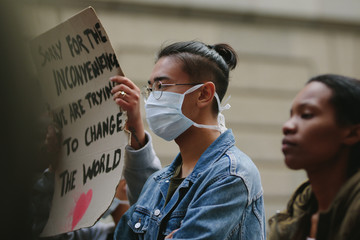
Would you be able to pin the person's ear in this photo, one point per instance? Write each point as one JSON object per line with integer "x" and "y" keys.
{"x": 352, "y": 135}
{"x": 207, "y": 94}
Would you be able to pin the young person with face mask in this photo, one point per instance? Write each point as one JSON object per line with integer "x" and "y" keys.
{"x": 322, "y": 137}
{"x": 211, "y": 190}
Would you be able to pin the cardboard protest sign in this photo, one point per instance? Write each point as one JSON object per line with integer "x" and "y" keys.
{"x": 74, "y": 61}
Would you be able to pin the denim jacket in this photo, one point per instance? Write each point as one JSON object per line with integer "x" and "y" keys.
{"x": 221, "y": 199}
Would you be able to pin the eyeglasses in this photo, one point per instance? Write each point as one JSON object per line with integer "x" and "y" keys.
{"x": 158, "y": 87}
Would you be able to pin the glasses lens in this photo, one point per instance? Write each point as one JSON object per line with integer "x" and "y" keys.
{"x": 145, "y": 92}
{"x": 157, "y": 90}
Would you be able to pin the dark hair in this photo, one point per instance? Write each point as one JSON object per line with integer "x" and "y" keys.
{"x": 204, "y": 62}
{"x": 346, "y": 101}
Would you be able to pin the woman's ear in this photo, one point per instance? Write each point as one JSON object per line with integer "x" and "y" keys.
{"x": 353, "y": 135}
{"x": 207, "y": 94}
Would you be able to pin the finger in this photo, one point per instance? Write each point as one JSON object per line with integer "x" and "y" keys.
{"x": 118, "y": 78}
{"x": 124, "y": 99}
{"x": 122, "y": 87}
{"x": 124, "y": 104}
{"x": 121, "y": 94}
{"x": 123, "y": 80}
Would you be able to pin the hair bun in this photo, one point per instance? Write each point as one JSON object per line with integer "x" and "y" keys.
{"x": 227, "y": 53}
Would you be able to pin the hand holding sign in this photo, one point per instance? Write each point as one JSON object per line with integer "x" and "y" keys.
{"x": 127, "y": 96}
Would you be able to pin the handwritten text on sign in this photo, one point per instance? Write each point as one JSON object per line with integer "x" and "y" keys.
{"x": 75, "y": 61}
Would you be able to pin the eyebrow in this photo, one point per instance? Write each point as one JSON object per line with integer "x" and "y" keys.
{"x": 304, "y": 105}
{"x": 156, "y": 79}
{"x": 307, "y": 104}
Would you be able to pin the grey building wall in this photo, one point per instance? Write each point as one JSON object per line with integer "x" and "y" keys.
{"x": 280, "y": 44}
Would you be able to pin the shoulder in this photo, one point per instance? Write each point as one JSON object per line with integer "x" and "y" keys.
{"x": 348, "y": 200}
{"x": 287, "y": 223}
{"x": 239, "y": 165}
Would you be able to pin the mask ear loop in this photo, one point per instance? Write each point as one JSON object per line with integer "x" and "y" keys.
{"x": 221, "y": 117}
{"x": 192, "y": 89}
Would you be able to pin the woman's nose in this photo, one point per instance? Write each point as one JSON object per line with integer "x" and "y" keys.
{"x": 289, "y": 126}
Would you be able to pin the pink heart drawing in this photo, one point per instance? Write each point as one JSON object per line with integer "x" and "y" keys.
{"x": 81, "y": 206}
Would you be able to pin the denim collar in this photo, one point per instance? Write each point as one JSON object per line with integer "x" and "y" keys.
{"x": 210, "y": 156}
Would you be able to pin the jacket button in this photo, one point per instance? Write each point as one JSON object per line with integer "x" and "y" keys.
{"x": 157, "y": 212}
{"x": 137, "y": 225}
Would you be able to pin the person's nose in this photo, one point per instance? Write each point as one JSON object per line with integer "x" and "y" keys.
{"x": 289, "y": 126}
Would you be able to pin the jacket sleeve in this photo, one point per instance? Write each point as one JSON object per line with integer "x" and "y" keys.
{"x": 138, "y": 166}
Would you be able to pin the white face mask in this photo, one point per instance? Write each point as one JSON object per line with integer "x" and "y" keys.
{"x": 166, "y": 119}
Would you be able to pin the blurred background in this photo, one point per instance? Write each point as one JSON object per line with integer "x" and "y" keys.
{"x": 280, "y": 44}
